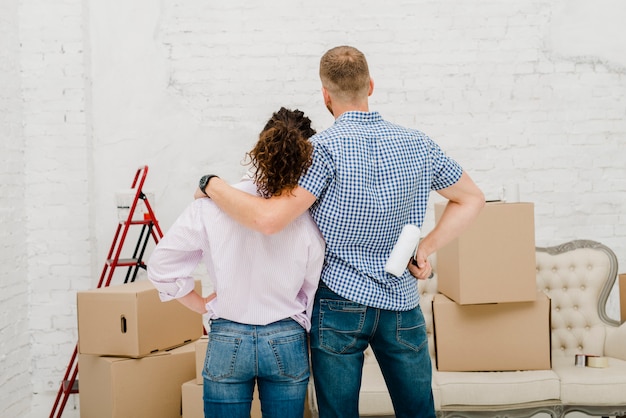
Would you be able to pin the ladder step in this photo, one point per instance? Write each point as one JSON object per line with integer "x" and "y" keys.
{"x": 126, "y": 262}
{"x": 138, "y": 222}
{"x": 73, "y": 389}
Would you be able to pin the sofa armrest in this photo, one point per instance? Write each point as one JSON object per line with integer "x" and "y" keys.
{"x": 615, "y": 345}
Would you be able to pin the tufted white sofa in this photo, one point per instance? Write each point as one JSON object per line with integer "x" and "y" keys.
{"x": 578, "y": 277}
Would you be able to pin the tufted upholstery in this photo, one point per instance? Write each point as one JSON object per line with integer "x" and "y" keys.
{"x": 578, "y": 277}
{"x": 574, "y": 281}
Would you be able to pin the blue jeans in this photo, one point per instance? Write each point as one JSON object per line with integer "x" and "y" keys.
{"x": 341, "y": 331}
{"x": 276, "y": 356}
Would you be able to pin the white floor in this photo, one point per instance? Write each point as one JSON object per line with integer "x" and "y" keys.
{"x": 541, "y": 415}
{"x": 44, "y": 404}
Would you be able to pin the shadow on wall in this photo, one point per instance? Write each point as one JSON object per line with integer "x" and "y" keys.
{"x": 566, "y": 39}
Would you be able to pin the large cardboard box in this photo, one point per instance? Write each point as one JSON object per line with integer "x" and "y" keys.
{"x": 122, "y": 387}
{"x": 201, "y": 346}
{"x": 130, "y": 320}
{"x": 193, "y": 405}
{"x": 622, "y": 296}
{"x": 493, "y": 260}
{"x": 492, "y": 337}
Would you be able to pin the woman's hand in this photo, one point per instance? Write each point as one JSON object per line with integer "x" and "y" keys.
{"x": 195, "y": 302}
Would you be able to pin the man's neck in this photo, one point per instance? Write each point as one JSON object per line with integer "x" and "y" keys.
{"x": 341, "y": 108}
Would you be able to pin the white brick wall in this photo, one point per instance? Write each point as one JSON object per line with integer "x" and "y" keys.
{"x": 58, "y": 167}
{"x": 16, "y": 384}
{"x": 513, "y": 90}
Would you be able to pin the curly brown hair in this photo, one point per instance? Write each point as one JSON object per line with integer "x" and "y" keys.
{"x": 283, "y": 152}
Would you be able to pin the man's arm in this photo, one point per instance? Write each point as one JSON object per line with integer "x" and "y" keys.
{"x": 264, "y": 215}
{"x": 465, "y": 201}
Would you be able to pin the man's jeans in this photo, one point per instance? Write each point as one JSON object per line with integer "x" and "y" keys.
{"x": 276, "y": 355}
{"x": 341, "y": 331}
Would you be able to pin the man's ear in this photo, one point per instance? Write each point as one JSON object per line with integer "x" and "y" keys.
{"x": 371, "y": 90}
{"x": 326, "y": 95}
{"x": 328, "y": 101}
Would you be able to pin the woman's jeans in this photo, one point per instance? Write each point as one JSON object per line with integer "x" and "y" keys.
{"x": 275, "y": 355}
{"x": 341, "y": 331}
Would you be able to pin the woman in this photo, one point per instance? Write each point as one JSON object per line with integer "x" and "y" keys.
{"x": 264, "y": 284}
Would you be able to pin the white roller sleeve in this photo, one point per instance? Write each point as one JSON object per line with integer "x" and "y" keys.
{"x": 403, "y": 250}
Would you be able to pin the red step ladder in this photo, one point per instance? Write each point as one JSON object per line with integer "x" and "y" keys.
{"x": 149, "y": 228}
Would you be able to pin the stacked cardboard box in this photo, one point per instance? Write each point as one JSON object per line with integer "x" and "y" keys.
{"x": 489, "y": 315}
{"x": 135, "y": 351}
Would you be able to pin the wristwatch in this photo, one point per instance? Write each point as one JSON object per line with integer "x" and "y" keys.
{"x": 204, "y": 181}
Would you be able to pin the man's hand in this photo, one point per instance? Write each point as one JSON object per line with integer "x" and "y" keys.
{"x": 419, "y": 266}
{"x": 198, "y": 194}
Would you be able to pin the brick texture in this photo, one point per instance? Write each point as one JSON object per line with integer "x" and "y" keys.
{"x": 16, "y": 385}
{"x": 91, "y": 90}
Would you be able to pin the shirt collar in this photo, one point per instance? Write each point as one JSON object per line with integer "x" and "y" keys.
{"x": 359, "y": 116}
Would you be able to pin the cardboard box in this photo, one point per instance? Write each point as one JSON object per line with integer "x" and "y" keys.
{"x": 122, "y": 387}
{"x": 622, "y": 297}
{"x": 492, "y": 337}
{"x": 130, "y": 320}
{"x": 201, "y": 346}
{"x": 493, "y": 260}
{"x": 193, "y": 404}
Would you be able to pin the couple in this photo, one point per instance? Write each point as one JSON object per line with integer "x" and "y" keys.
{"x": 361, "y": 181}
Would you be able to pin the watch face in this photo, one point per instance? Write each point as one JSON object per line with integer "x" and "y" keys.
{"x": 203, "y": 181}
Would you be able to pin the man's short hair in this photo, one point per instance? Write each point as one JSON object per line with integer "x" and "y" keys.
{"x": 344, "y": 72}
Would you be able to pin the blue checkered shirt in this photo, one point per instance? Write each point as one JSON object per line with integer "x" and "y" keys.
{"x": 371, "y": 178}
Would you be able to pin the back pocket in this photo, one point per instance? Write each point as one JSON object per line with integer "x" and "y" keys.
{"x": 221, "y": 357}
{"x": 340, "y": 323}
{"x": 291, "y": 354}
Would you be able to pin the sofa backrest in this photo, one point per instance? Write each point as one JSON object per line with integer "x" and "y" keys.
{"x": 578, "y": 277}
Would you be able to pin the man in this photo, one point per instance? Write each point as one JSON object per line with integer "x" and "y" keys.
{"x": 368, "y": 179}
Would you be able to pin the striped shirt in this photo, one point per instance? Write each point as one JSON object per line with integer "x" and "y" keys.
{"x": 259, "y": 279}
{"x": 371, "y": 178}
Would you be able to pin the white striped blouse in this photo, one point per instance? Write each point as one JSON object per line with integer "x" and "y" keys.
{"x": 259, "y": 279}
